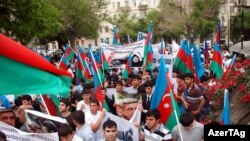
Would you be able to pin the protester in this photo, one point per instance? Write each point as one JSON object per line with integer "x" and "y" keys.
{"x": 189, "y": 129}
{"x": 193, "y": 96}
{"x": 110, "y": 131}
{"x": 94, "y": 118}
{"x": 66, "y": 133}
{"x": 64, "y": 111}
{"x": 154, "y": 130}
{"x": 8, "y": 116}
{"x": 83, "y": 130}
{"x": 84, "y": 104}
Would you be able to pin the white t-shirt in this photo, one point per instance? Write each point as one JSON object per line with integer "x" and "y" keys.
{"x": 90, "y": 118}
{"x": 79, "y": 105}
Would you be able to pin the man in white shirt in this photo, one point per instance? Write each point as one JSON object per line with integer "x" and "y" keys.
{"x": 84, "y": 104}
{"x": 110, "y": 131}
{"x": 94, "y": 118}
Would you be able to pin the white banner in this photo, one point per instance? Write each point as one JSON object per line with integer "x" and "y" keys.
{"x": 14, "y": 134}
{"x": 168, "y": 62}
{"x": 126, "y": 130}
{"x": 117, "y": 56}
{"x": 37, "y": 122}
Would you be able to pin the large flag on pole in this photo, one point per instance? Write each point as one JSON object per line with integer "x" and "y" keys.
{"x": 163, "y": 99}
{"x": 149, "y": 63}
{"x": 23, "y": 71}
{"x": 216, "y": 64}
{"x": 98, "y": 78}
{"x": 147, "y": 41}
{"x": 128, "y": 68}
{"x": 183, "y": 60}
{"x": 199, "y": 68}
{"x": 104, "y": 62}
{"x": 67, "y": 56}
{"x": 206, "y": 53}
{"x": 225, "y": 119}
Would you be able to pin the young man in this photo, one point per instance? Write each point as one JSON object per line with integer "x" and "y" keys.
{"x": 84, "y": 104}
{"x": 94, "y": 118}
{"x": 146, "y": 99}
{"x": 194, "y": 96}
{"x": 191, "y": 130}
{"x": 82, "y": 129}
{"x": 64, "y": 111}
{"x": 153, "y": 130}
{"x": 110, "y": 131}
{"x": 7, "y": 116}
{"x": 66, "y": 133}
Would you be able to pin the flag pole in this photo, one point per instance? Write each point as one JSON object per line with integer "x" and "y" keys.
{"x": 173, "y": 103}
{"x": 96, "y": 68}
{"x": 178, "y": 124}
{"x": 46, "y": 108}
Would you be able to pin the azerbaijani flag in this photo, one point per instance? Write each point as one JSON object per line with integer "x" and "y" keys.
{"x": 228, "y": 69}
{"x": 162, "y": 47}
{"x": 104, "y": 62}
{"x": 149, "y": 63}
{"x": 147, "y": 41}
{"x": 84, "y": 60}
{"x": 183, "y": 60}
{"x": 98, "y": 78}
{"x": 128, "y": 68}
{"x": 218, "y": 33}
{"x": 225, "y": 119}
{"x": 216, "y": 64}
{"x": 199, "y": 68}
{"x": 163, "y": 99}
{"x": 67, "y": 56}
{"x": 23, "y": 71}
{"x": 206, "y": 54}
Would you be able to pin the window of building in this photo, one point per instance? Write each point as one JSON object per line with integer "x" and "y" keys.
{"x": 126, "y": 3}
{"x": 107, "y": 40}
{"x": 96, "y": 43}
{"x": 113, "y": 5}
{"x": 134, "y": 3}
{"x": 231, "y": 9}
{"x": 101, "y": 29}
{"x": 106, "y": 29}
{"x": 101, "y": 40}
{"x": 118, "y": 5}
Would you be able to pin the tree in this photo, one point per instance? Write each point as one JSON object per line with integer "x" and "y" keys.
{"x": 80, "y": 18}
{"x": 24, "y": 20}
{"x": 200, "y": 19}
{"x": 132, "y": 26}
{"x": 235, "y": 25}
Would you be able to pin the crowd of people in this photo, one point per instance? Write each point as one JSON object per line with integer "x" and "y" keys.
{"x": 84, "y": 113}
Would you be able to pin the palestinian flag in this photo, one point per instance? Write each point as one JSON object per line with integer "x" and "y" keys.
{"x": 128, "y": 68}
{"x": 25, "y": 72}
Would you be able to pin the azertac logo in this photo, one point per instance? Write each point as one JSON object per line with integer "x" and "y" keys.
{"x": 228, "y": 132}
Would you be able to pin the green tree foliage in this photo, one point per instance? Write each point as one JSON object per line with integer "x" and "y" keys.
{"x": 26, "y": 19}
{"x": 80, "y": 18}
{"x": 235, "y": 25}
{"x": 127, "y": 25}
{"x": 199, "y": 19}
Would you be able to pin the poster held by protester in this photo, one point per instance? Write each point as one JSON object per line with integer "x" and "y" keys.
{"x": 14, "y": 134}
{"x": 37, "y": 122}
{"x": 126, "y": 130}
